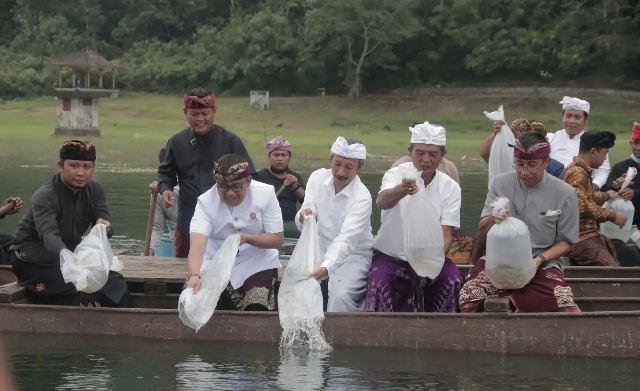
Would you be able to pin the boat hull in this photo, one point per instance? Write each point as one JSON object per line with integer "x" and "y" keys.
{"x": 590, "y": 334}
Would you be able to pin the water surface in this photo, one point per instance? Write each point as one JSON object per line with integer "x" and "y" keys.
{"x": 127, "y": 195}
{"x": 54, "y": 362}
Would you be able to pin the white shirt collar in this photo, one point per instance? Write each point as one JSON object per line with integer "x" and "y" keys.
{"x": 347, "y": 191}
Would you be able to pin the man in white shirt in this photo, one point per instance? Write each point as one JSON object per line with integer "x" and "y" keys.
{"x": 565, "y": 143}
{"x": 393, "y": 284}
{"x": 236, "y": 204}
{"x": 342, "y": 205}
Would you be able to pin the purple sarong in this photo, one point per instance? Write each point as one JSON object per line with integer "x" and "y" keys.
{"x": 393, "y": 286}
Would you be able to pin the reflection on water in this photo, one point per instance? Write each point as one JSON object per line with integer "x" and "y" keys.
{"x": 128, "y": 196}
{"x": 308, "y": 368}
{"x": 96, "y": 375}
{"x": 59, "y": 362}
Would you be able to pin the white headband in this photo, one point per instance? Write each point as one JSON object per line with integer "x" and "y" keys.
{"x": 569, "y": 103}
{"x": 354, "y": 151}
{"x": 426, "y": 133}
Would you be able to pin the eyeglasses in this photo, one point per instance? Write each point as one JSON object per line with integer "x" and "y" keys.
{"x": 529, "y": 165}
{"x": 236, "y": 187}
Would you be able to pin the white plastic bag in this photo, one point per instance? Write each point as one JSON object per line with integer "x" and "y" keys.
{"x": 88, "y": 266}
{"x": 423, "y": 240}
{"x": 300, "y": 297}
{"x": 608, "y": 228}
{"x": 195, "y": 309}
{"x": 509, "y": 260}
{"x": 501, "y": 157}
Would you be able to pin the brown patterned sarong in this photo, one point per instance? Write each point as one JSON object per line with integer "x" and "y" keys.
{"x": 256, "y": 294}
{"x": 546, "y": 292}
{"x": 595, "y": 251}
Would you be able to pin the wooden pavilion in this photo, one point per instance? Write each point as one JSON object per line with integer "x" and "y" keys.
{"x": 77, "y": 110}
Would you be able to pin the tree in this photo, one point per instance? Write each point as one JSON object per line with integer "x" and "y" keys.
{"x": 365, "y": 30}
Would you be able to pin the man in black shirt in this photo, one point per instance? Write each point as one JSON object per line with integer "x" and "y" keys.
{"x": 288, "y": 184}
{"x": 189, "y": 160}
{"x": 628, "y": 255}
{"x": 61, "y": 211}
{"x": 615, "y": 179}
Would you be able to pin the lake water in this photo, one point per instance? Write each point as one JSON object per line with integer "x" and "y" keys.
{"x": 128, "y": 197}
{"x": 56, "y": 362}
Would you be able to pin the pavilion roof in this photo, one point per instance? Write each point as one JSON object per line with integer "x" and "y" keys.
{"x": 83, "y": 59}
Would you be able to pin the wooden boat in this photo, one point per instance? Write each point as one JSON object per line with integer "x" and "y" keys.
{"x": 608, "y": 327}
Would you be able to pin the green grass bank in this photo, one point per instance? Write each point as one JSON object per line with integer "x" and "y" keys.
{"x": 134, "y": 126}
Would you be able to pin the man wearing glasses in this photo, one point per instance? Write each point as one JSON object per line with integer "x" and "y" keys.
{"x": 61, "y": 211}
{"x": 236, "y": 204}
{"x": 549, "y": 208}
{"x": 189, "y": 159}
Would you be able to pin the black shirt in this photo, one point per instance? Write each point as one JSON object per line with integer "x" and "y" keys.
{"x": 189, "y": 161}
{"x": 57, "y": 218}
{"x": 617, "y": 171}
{"x": 288, "y": 199}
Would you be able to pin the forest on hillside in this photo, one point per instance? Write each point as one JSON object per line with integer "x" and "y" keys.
{"x": 345, "y": 46}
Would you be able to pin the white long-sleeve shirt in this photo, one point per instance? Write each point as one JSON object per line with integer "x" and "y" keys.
{"x": 565, "y": 148}
{"x": 344, "y": 219}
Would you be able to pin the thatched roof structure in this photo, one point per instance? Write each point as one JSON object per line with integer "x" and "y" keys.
{"x": 84, "y": 59}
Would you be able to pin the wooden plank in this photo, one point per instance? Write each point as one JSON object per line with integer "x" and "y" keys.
{"x": 11, "y": 292}
{"x": 6, "y": 274}
{"x": 590, "y": 304}
{"x": 605, "y": 287}
{"x": 606, "y": 334}
{"x": 588, "y": 271}
{"x": 594, "y": 304}
{"x": 170, "y": 269}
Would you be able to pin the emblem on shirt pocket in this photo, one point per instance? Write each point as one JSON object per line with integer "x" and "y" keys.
{"x": 253, "y": 216}
{"x": 40, "y": 287}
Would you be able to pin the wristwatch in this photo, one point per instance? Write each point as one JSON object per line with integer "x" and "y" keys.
{"x": 542, "y": 258}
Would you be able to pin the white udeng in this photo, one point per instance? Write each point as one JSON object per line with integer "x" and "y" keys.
{"x": 195, "y": 309}
{"x": 88, "y": 266}
{"x": 299, "y": 297}
{"x": 509, "y": 260}
{"x": 501, "y": 156}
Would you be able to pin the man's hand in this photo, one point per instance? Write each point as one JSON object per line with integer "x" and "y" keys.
{"x": 11, "y": 205}
{"x": 291, "y": 180}
{"x": 620, "y": 220}
{"x": 107, "y": 223}
{"x": 497, "y": 127}
{"x": 303, "y": 213}
{"x": 612, "y": 194}
{"x": 502, "y": 216}
{"x": 616, "y": 184}
{"x": 410, "y": 186}
{"x": 626, "y": 194}
{"x": 153, "y": 187}
{"x": 167, "y": 198}
{"x": 319, "y": 273}
{"x": 193, "y": 282}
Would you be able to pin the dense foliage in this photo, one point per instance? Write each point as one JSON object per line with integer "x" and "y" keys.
{"x": 297, "y": 46}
